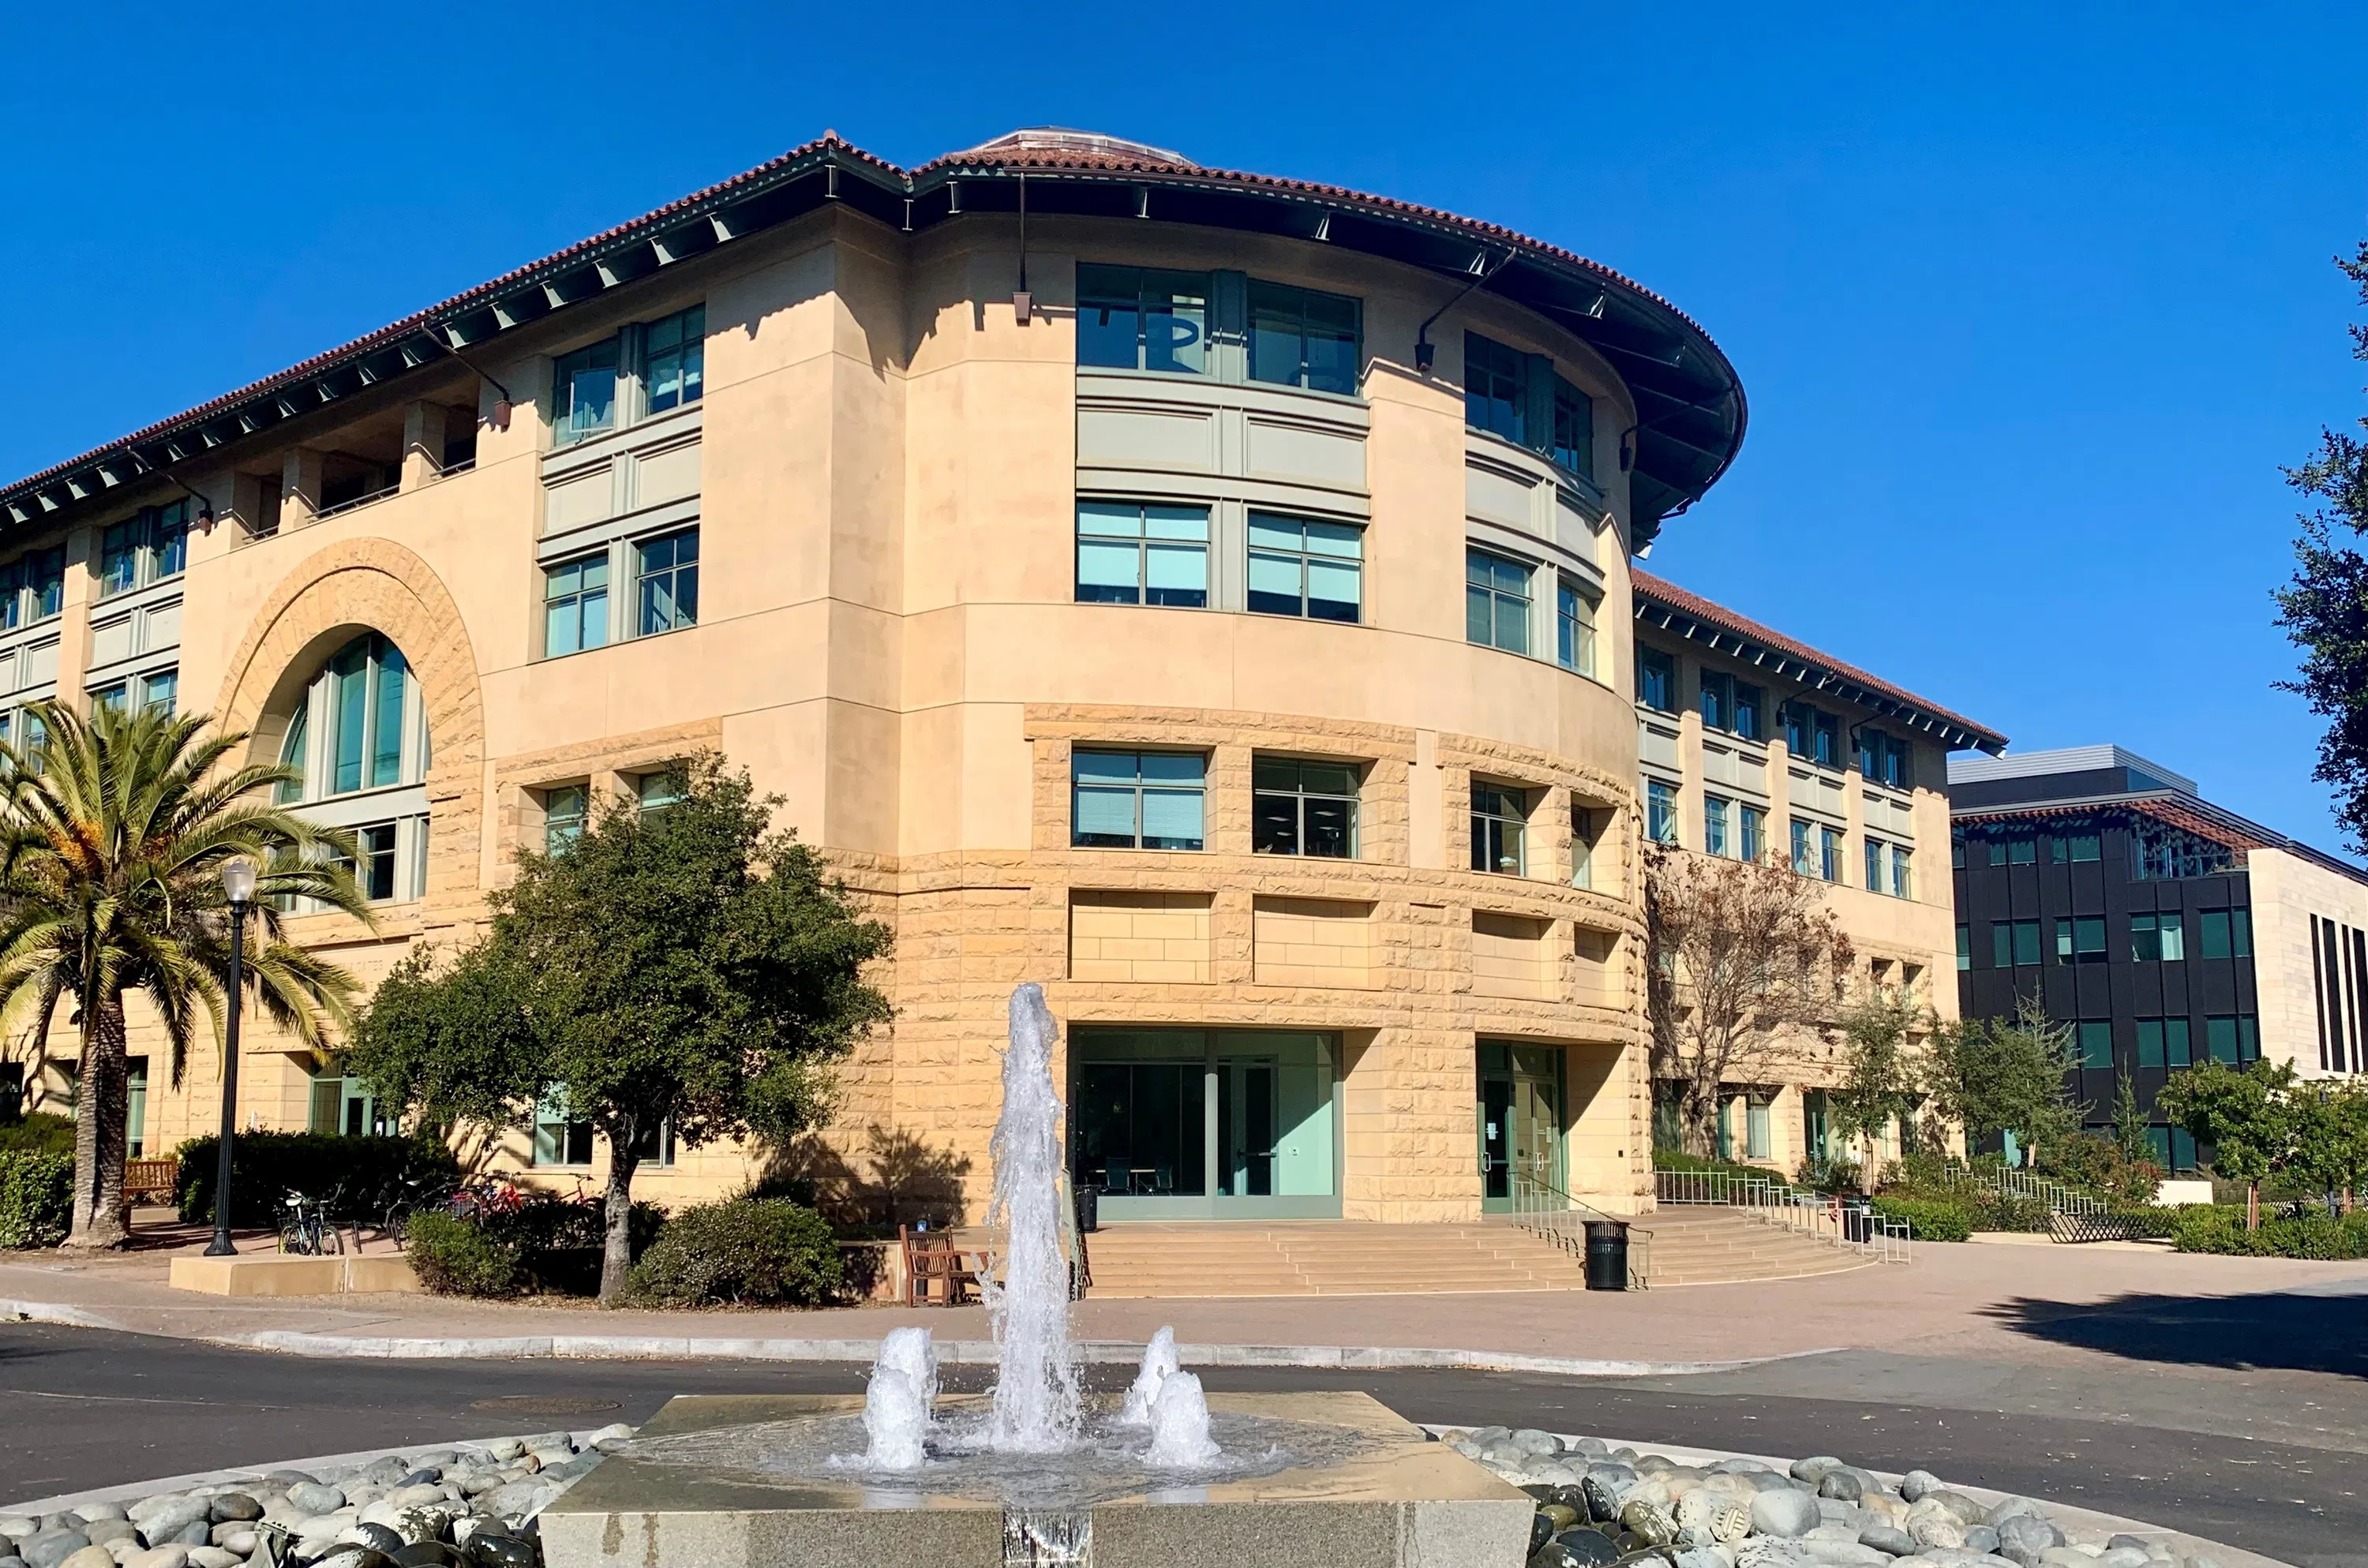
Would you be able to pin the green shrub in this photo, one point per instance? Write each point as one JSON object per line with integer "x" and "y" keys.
{"x": 2147, "y": 1221}
{"x": 2220, "y": 1228}
{"x": 362, "y": 1172}
{"x": 35, "y": 1197}
{"x": 37, "y": 1132}
{"x": 1929, "y": 1219}
{"x": 1995, "y": 1211}
{"x": 744, "y": 1252}
{"x": 454, "y": 1257}
{"x": 2087, "y": 1163}
{"x": 1827, "y": 1173}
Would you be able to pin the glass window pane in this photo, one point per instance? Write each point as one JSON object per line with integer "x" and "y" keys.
{"x": 1175, "y": 321}
{"x": 1274, "y": 584}
{"x": 1108, "y": 572}
{"x": 1512, "y": 624}
{"x": 1270, "y": 532}
{"x": 1103, "y": 767}
{"x": 1331, "y": 827}
{"x": 1121, "y": 520}
{"x": 1176, "y": 522}
{"x": 1177, "y": 574}
{"x": 1174, "y": 767}
{"x": 1171, "y": 819}
{"x": 1274, "y": 823}
{"x": 2173, "y": 938}
{"x": 1109, "y": 324}
{"x": 347, "y": 705}
{"x": 1105, "y": 817}
{"x": 1335, "y": 590}
{"x": 386, "y": 720}
{"x": 1479, "y": 616}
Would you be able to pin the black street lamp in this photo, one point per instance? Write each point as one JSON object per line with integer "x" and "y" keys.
{"x": 238, "y": 883}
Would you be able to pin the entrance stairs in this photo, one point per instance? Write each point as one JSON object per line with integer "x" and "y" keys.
{"x": 1333, "y": 1257}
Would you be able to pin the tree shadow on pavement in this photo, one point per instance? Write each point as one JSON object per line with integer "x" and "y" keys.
{"x": 2287, "y": 1331}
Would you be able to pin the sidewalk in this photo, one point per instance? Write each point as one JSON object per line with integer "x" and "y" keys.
{"x": 2065, "y": 1306}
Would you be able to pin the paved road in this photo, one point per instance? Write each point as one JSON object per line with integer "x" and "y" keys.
{"x": 81, "y": 1408}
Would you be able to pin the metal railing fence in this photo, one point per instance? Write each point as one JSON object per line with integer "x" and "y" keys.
{"x": 1546, "y": 1211}
{"x": 1776, "y": 1202}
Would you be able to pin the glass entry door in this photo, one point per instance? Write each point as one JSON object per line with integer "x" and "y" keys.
{"x": 1175, "y": 1124}
{"x": 1520, "y": 1114}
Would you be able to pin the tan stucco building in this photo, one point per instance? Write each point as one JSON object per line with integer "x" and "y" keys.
{"x": 1206, "y": 594}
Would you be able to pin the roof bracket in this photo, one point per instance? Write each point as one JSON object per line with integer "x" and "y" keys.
{"x": 1142, "y": 201}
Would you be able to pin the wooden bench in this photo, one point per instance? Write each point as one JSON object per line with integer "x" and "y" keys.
{"x": 935, "y": 1265}
{"x": 157, "y": 1180}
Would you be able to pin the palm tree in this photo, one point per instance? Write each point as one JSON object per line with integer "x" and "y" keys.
{"x": 113, "y": 831}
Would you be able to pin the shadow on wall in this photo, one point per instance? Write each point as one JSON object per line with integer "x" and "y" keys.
{"x": 908, "y": 1181}
{"x": 2289, "y": 1331}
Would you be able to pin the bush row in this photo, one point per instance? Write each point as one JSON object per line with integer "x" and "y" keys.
{"x": 742, "y": 1251}
{"x": 2217, "y": 1228}
{"x": 35, "y": 1197}
{"x": 357, "y": 1175}
{"x": 1929, "y": 1219}
{"x": 37, "y": 1132}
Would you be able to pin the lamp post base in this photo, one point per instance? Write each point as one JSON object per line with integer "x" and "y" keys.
{"x": 222, "y": 1248}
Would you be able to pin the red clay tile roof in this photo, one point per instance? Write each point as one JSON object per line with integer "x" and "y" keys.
{"x": 1670, "y": 597}
{"x": 2233, "y": 832}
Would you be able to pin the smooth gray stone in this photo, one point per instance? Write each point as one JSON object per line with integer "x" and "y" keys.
{"x": 1965, "y": 1508}
{"x": 235, "y": 1506}
{"x": 1914, "y": 1484}
{"x": 52, "y": 1546}
{"x": 1530, "y": 1440}
{"x": 232, "y": 1536}
{"x": 160, "y": 1557}
{"x": 2124, "y": 1557}
{"x": 420, "y": 1478}
{"x": 98, "y": 1532}
{"x": 1812, "y": 1470}
{"x": 90, "y": 1557}
{"x": 315, "y": 1497}
{"x": 1983, "y": 1539}
{"x": 1784, "y": 1514}
{"x": 95, "y": 1512}
{"x": 292, "y": 1477}
{"x": 1841, "y": 1485}
{"x": 215, "y": 1557}
{"x": 1888, "y": 1539}
{"x": 198, "y": 1531}
{"x": 437, "y": 1458}
{"x": 2127, "y": 1540}
{"x": 12, "y": 1561}
{"x": 1740, "y": 1467}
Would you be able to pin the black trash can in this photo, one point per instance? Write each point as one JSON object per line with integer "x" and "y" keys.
{"x": 1858, "y": 1219}
{"x": 1089, "y": 1208}
{"x": 1607, "y": 1254}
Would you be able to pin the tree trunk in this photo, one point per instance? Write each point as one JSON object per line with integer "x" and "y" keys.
{"x": 616, "y": 1238}
{"x": 1700, "y": 1113}
{"x": 101, "y": 1104}
{"x": 2252, "y": 1206}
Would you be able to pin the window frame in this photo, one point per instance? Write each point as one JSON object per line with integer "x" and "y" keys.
{"x": 677, "y": 571}
{"x": 1497, "y": 597}
{"x": 1096, "y": 289}
{"x": 577, "y": 600}
{"x": 1575, "y": 612}
{"x": 633, "y": 394}
{"x": 1299, "y": 795}
{"x": 1145, "y": 545}
{"x": 1302, "y": 378}
{"x": 1661, "y": 825}
{"x": 1142, "y": 787}
{"x": 1662, "y": 666}
{"x": 1502, "y": 820}
{"x": 1305, "y": 562}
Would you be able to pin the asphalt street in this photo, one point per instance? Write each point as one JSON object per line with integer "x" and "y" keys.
{"x": 84, "y": 1408}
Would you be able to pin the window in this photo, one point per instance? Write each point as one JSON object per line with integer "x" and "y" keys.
{"x": 1133, "y": 553}
{"x": 1903, "y": 872}
{"x": 1500, "y": 819}
{"x": 1585, "y": 829}
{"x": 1827, "y": 744}
{"x": 2014, "y": 943}
{"x": 575, "y": 604}
{"x": 160, "y": 690}
{"x": 2159, "y": 852}
{"x": 2070, "y": 847}
{"x": 1755, "y": 834}
{"x": 1717, "y": 700}
{"x": 1574, "y": 629}
{"x": 1748, "y": 702}
{"x": 2157, "y": 938}
{"x": 372, "y": 863}
{"x": 1830, "y": 854}
{"x": 45, "y": 583}
{"x": 2163, "y": 1042}
{"x": 1496, "y": 394}
{"x": 293, "y": 754}
{"x": 1756, "y": 1143}
{"x": 1137, "y": 318}
{"x": 1303, "y": 808}
{"x": 557, "y": 1139}
{"x": 2080, "y": 939}
{"x": 146, "y": 548}
{"x": 563, "y": 812}
{"x": 1302, "y": 339}
{"x": 369, "y": 693}
{"x": 1883, "y": 759}
{"x": 1660, "y": 811}
{"x": 583, "y": 391}
{"x": 1657, "y": 680}
{"x": 1495, "y": 602}
{"x": 1574, "y": 430}
{"x": 1715, "y": 825}
{"x": 665, "y": 580}
{"x": 2174, "y": 1148}
{"x": 674, "y": 359}
{"x": 1874, "y": 859}
{"x": 656, "y": 1144}
{"x": 2233, "y": 1040}
{"x": 1125, "y": 800}
{"x": 656, "y": 791}
{"x": 2014, "y": 851}
{"x": 1956, "y": 849}
{"x": 2227, "y": 933}
{"x": 109, "y": 698}
{"x": 1964, "y": 948}
{"x": 2096, "y": 1042}
{"x": 1804, "y": 863}
{"x": 1306, "y": 568}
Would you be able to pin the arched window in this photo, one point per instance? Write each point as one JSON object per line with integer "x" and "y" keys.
{"x": 357, "y": 743}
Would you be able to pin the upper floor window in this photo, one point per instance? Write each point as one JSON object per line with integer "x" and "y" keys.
{"x": 1716, "y": 839}
{"x": 1127, "y": 800}
{"x": 1306, "y": 568}
{"x": 2158, "y": 938}
{"x": 2080, "y": 939}
{"x": 1830, "y": 854}
{"x": 2014, "y": 944}
{"x": 2233, "y": 1040}
{"x": 2159, "y": 852}
{"x": 1804, "y": 849}
{"x": 2226, "y": 933}
{"x": 1657, "y": 680}
{"x": 1496, "y": 601}
{"x": 1883, "y": 759}
{"x": 1660, "y": 811}
{"x": 1812, "y": 735}
{"x": 368, "y": 699}
{"x": 644, "y": 369}
{"x": 656, "y": 791}
{"x": 575, "y": 604}
{"x": 1731, "y": 705}
{"x": 1574, "y": 628}
{"x": 565, "y": 811}
{"x": 2065, "y": 848}
{"x": 1303, "y": 808}
{"x": 1302, "y": 339}
{"x": 665, "y": 582}
{"x": 2021, "y": 851}
{"x": 1587, "y": 828}
{"x": 1520, "y": 397}
{"x": 1130, "y": 552}
{"x": 145, "y": 548}
{"x": 1139, "y": 318}
{"x": 1755, "y": 833}
{"x": 1500, "y": 821}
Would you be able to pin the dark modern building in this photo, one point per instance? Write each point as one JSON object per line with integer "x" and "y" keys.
{"x": 2165, "y": 929}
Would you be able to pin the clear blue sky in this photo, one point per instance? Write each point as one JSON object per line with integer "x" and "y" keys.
{"x": 2031, "y": 302}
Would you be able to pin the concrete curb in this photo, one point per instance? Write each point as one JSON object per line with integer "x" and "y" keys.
{"x": 953, "y": 1352}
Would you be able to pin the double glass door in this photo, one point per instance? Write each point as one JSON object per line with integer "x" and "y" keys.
{"x": 1204, "y": 1124}
{"x": 1520, "y": 1115}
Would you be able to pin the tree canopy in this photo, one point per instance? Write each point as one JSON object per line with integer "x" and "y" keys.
{"x": 1995, "y": 1076}
{"x": 684, "y": 968}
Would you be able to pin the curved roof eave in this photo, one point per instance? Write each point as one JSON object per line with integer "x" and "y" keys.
{"x": 1690, "y": 408}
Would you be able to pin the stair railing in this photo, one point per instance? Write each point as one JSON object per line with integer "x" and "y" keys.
{"x": 1545, "y": 1211}
{"x": 1779, "y": 1203}
{"x": 2071, "y": 1216}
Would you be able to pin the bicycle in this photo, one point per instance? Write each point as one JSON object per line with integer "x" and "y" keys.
{"x": 306, "y": 1229}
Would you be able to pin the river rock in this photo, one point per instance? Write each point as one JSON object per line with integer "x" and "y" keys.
{"x": 1648, "y": 1522}
{"x": 87, "y": 1557}
{"x": 2124, "y": 1557}
{"x": 234, "y": 1508}
{"x": 1786, "y": 1513}
{"x": 1965, "y": 1510}
{"x": 501, "y": 1552}
{"x": 349, "y": 1556}
{"x": 1768, "y": 1552}
{"x": 1812, "y": 1470}
{"x": 315, "y": 1498}
{"x": 48, "y": 1547}
{"x": 1916, "y": 1482}
{"x": 1528, "y": 1440}
{"x": 1888, "y": 1539}
{"x": 374, "y": 1535}
{"x": 214, "y": 1557}
{"x": 1845, "y": 1555}
{"x": 101, "y": 1532}
{"x": 1937, "y": 1529}
{"x": 1985, "y": 1540}
{"x": 95, "y": 1513}
{"x": 1591, "y": 1547}
{"x": 16, "y": 1527}
{"x": 232, "y": 1536}
{"x": 1602, "y": 1495}
{"x": 1841, "y": 1484}
{"x": 175, "y": 1556}
{"x": 2026, "y": 1532}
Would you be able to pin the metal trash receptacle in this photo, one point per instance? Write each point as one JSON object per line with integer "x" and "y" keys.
{"x": 1858, "y": 1219}
{"x": 1089, "y": 1208}
{"x": 1607, "y": 1254}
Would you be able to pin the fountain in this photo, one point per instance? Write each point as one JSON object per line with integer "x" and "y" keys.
{"x": 1033, "y": 1475}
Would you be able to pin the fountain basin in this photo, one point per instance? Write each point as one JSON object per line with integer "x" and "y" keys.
{"x": 1380, "y": 1495}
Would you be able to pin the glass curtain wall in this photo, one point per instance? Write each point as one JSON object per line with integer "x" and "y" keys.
{"x": 1205, "y": 1124}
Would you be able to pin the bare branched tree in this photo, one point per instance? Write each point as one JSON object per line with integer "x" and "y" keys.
{"x": 1743, "y": 962}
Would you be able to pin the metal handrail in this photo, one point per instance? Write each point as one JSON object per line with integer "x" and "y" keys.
{"x": 1545, "y": 1211}
{"x": 1776, "y": 1202}
{"x": 2071, "y": 1216}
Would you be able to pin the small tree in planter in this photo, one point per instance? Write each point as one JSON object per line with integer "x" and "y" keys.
{"x": 2247, "y": 1116}
{"x": 1990, "y": 1077}
{"x": 1880, "y": 1089}
{"x": 2330, "y": 1143}
{"x": 684, "y": 966}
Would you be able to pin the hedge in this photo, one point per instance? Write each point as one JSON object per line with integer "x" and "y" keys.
{"x": 1929, "y": 1219}
{"x": 548, "y": 1243}
{"x": 744, "y": 1252}
{"x": 456, "y": 1256}
{"x": 361, "y": 1172}
{"x": 35, "y": 1197}
{"x": 2220, "y": 1228}
{"x": 37, "y": 1132}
